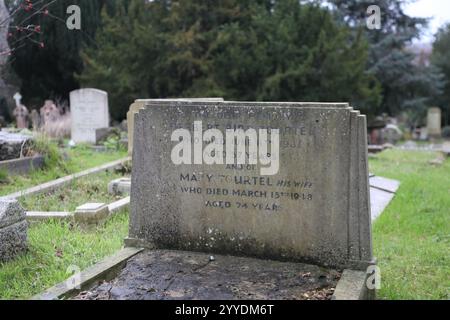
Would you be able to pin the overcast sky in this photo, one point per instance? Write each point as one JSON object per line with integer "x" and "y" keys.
{"x": 438, "y": 10}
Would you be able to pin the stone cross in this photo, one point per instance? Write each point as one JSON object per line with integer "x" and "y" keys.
{"x": 18, "y": 98}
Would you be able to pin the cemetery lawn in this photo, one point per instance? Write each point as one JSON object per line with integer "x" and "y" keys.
{"x": 78, "y": 159}
{"x": 55, "y": 250}
{"x": 93, "y": 188}
{"x": 412, "y": 237}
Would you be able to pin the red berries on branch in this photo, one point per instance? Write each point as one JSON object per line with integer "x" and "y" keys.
{"x": 23, "y": 30}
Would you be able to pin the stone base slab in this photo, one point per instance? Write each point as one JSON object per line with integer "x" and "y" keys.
{"x": 120, "y": 186}
{"x": 104, "y": 270}
{"x": 133, "y": 274}
{"x": 91, "y": 213}
{"x": 22, "y": 165}
{"x": 353, "y": 286}
{"x": 33, "y": 216}
{"x": 172, "y": 275}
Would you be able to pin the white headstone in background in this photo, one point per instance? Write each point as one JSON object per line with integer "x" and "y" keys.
{"x": 89, "y": 109}
{"x": 434, "y": 122}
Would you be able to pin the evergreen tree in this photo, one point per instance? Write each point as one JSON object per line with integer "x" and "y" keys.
{"x": 241, "y": 50}
{"x": 126, "y": 59}
{"x": 441, "y": 59}
{"x": 46, "y": 65}
{"x": 315, "y": 60}
{"x": 405, "y": 85}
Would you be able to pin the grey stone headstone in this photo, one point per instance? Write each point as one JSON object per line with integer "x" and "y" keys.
{"x": 315, "y": 208}
{"x": 13, "y": 230}
{"x": 434, "y": 119}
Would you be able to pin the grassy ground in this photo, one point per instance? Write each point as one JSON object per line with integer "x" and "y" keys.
{"x": 93, "y": 188}
{"x": 78, "y": 159}
{"x": 55, "y": 249}
{"x": 412, "y": 237}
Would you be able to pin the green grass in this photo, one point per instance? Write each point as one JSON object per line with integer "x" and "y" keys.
{"x": 412, "y": 237}
{"x": 78, "y": 159}
{"x": 54, "y": 248}
{"x": 93, "y": 188}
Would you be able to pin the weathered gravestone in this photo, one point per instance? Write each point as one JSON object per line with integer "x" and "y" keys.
{"x": 392, "y": 134}
{"x": 13, "y": 230}
{"x": 434, "y": 128}
{"x": 49, "y": 113}
{"x": 138, "y": 104}
{"x": 89, "y": 110}
{"x": 35, "y": 120}
{"x": 21, "y": 113}
{"x": 293, "y": 187}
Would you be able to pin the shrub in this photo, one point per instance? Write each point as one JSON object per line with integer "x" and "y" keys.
{"x": 112, "y": 143}
{"x": 44, "y": 146}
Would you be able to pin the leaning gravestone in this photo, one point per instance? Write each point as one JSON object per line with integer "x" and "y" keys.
{"x": 13, "y": 230}
{"x": 89, "y": 110}
{"x": 285, "y": 181}
{"x": 138, "y": 104}
{"x": 434, "y": 128}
